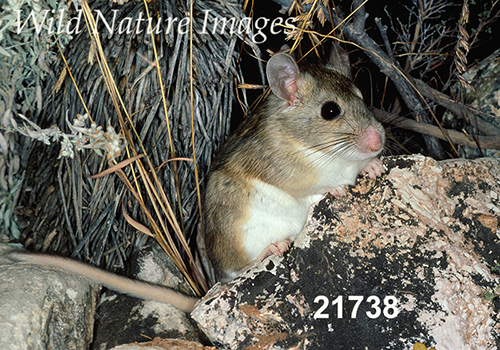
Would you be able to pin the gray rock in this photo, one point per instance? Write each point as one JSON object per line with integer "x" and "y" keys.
{"x": 485, "y": 102}
{"x": 424, "y": 235}
{"x": 44, "y": 308}
{"x": 160, "y": 344}
{"x": 123, "y": 319}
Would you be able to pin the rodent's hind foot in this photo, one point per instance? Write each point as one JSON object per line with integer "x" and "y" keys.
{"x": 276, "y": 248}
{"x": 373, "y": 169}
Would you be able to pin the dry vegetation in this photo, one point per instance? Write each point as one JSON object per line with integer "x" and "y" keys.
{"x": 170, "y": 97}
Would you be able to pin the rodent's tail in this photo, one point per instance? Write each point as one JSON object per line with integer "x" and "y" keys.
{"x": 117, "y": 283}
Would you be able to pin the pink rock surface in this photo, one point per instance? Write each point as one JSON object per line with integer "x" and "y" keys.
{"x": 424, "y": 234}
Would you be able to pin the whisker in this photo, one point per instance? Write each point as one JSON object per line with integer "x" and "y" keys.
{"x": 336, "y": 149}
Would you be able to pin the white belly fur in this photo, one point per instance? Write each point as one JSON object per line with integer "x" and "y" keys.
{"x": 274, "y": 215}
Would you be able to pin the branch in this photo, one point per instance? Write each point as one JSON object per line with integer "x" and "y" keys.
{"x": 383, "y": 31}
{"x": 355, "y": 31}
{"x": 456, "y": 108}
{"x": 485, "y": 142}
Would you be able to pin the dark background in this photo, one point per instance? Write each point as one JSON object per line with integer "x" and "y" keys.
{"x": 377, "y": 90}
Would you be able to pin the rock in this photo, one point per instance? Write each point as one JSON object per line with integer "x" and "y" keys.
{"x": 123, "y": 319}
{"x": 44, "y": 308}
{"x": 485, "y": 102}
{"x": 420, "y": 241}
{"x": 160, "y": 344}
{"x": 486, "y": 94}
{"x": 402, "y": 259}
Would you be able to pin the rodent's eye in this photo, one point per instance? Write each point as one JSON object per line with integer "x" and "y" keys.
{"x": 331, "y": 110}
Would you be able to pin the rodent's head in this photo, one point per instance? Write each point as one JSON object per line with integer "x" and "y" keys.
{"x": 322, "y": 108}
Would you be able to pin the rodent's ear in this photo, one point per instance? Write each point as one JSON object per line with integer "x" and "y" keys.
{"x": 282, "y": 73}
{"x": 286, "y": 49}
{"x": 339, "y": 58}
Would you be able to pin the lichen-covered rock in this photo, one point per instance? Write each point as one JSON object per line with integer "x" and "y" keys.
{"x": 486, "y": 94}
{"x": 484, "y": 99}
{"x": 402, "y": 259}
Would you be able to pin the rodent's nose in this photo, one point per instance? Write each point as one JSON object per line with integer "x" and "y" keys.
{"x": 371, "y": 139}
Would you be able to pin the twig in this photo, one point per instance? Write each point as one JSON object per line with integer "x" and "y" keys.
{"x": 383, "y": 31}
{"x": 485, "y": 142}
{"x": 355, "y": 31}
{"x": 455, "y": 107}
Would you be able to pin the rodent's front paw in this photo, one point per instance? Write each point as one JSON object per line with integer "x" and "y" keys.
{"x": 374, "y": 168}
{"x": 336, "y": 191}
{"x": 276, "y": 248}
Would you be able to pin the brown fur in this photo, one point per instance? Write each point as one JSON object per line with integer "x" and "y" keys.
{"x": 266, "y": 148}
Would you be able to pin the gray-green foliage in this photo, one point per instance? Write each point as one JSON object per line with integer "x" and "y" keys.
{"x": 25, "y": 60}
{"x": 25, "y": 56}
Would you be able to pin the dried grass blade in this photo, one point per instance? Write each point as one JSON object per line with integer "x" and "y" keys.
{"x": 150, "y": 218}
{"x": 193, "y": 140}
{"x": 162, "y": 200}
{"x": 115, "y": 167}
{"x": 74, "y": 82}
{"x": 166, "y": 240}
{"x": 137, "y": 225}
{"x": 330, "y": 35}
{"x": 164, "y": 100}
